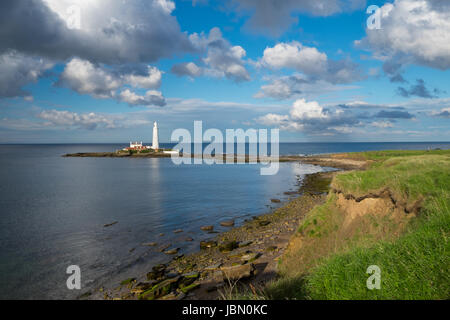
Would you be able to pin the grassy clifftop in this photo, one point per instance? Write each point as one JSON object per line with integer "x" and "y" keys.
{"x": 394, "y": 215}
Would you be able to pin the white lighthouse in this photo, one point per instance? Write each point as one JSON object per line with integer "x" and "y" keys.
{"x": 155, "y": 145}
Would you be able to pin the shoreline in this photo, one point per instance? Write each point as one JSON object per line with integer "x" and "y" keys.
{"x": 248, "y": 253}
{"x": 334, "y": 160}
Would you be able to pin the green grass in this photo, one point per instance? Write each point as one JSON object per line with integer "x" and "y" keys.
{"x": 416, "y": 266}
{"x": 330, "y": 262}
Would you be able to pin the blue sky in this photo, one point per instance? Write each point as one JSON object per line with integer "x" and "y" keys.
{"x": 311, "y": 68}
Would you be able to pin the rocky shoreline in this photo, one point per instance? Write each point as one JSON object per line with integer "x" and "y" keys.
{"x": 245, "y": 255}
{"x": 326, "y": 160}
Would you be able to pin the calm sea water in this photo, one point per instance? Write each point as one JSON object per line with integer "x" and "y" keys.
{"x": 53, "y": 209}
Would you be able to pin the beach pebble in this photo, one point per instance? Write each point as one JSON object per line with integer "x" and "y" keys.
{"x": 228, "y": 223}
{"x": 172, "y": 251}
{"x": 150, "y": 244}
{"x": 207, "y": 228}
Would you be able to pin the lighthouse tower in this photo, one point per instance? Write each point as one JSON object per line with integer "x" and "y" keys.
{"x": 155, "y": 145}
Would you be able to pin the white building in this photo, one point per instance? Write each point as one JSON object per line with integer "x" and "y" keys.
{"x": 155, "y": 145}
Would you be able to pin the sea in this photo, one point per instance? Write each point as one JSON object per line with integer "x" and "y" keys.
{"x": 53, "y": 210}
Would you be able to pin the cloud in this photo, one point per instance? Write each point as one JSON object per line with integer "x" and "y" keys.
{"x": 273, "y": 17}
{"x": 187, "y": 69}
{"x": 443, "y": 113}
{"x": 17, "y": 70}
{"x": 118, "y": 33}
{"x": 394, "y": 114}
{"x": 67, "y": 119}
{"x": 100, "y": 82}
{"x": 318, "y": 74}
{"x": 288, "y": 87}
{"x": 63, "y": 119}
{"x": 151, "y": 97}
{"x": 412, "y": 32}
{"x": 311, "y": 62}
{"x": 221, "y": 58}
{"x": 419, "y": 90}
{"x": 382, "y": 124}
{"x": 111, "y": 31}
{"x": 311, "y": 118}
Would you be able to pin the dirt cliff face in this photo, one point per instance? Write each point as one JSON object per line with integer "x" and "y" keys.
{"x": 343, "y": 221}
{"x": 372, "y": 207}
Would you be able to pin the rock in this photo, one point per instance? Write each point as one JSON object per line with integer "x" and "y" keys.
{"x": 228, "y": 246}
{"x": 178, "y": 257}
{"x": 161, "y": 289}
{"x": 250, "y": 257}
{"x": 190, "y": 288}
{"x": 245, "y": 243}
{"x": 264, "y": 223}
{"x": 127, "y": 281}
{"x": 228, "y": 223}
{"x": 164, "y": 247}
{"x": 189, "y": 239}
{"x": 157, "y": 272}
{"x": 213, "y": 267}
{"x": 110, "y": 224}
{"x": 171, "y": 275}
{"x": 178, "y": 231}
{"x": 143, "y": 286}
{"x": 191, "y": 275}
{"x": 275, "y": 200}
{"x": 208, "y": 244}
{"x": 207, "y": 228}
{"x": 237, "y": 272}
{"x": 188, "y": 278}
{"x": 172, "y": 251}
{"x": 150, "y": 244}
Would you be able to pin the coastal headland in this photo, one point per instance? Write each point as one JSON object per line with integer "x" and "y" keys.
{"x": 383, "y": 208}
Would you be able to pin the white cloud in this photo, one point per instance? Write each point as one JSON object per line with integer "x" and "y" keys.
{"x": 311, "y": 62}
{"x": 17, "y": 70}
{"x": 293, "y": 86}
{"x": 68, "y": 119}
{"x": 100, "y": 82}
{"x": 221, "y": 59}
{"x": 301, "y": 109}
{"x": 151, "y": 97}
{"x": 63, "y": 119}
{"x": 382, "y": 124}
{"x": 295, "y": 56}
{"x": 318, "y": 74}
{"x": 149, "y": 81}
{"x": 86, "y": 78}
{"x": 310, "y": 117}
{"x": 412, "y": 31}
